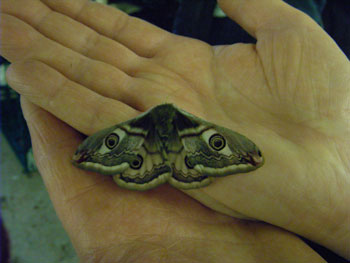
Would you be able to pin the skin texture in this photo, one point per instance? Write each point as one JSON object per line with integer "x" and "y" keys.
{"x": 81, "y": 67}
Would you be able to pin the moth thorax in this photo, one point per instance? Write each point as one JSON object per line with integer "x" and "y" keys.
{"x": 163, "y": 136}
{"x": 165, "y": 130}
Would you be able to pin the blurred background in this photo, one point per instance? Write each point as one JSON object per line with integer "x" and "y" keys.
{"x": 30, "y": 229}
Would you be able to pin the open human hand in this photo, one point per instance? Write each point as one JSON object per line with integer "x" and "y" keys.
{"x": 92, "y": 66}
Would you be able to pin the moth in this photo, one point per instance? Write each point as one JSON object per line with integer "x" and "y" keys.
{"x": 167, "y": 144}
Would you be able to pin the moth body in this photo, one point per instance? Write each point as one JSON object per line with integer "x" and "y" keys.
{"x": 167, "y": 144}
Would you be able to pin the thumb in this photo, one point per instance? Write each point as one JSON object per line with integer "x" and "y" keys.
{"x": 258, "y": 16}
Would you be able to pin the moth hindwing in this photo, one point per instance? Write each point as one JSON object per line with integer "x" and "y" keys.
{"x": 167, "y": 144}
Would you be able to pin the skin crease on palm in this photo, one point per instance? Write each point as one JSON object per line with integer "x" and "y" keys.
{"x": 81, "y": 67}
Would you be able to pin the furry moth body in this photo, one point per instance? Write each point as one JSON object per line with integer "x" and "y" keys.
{"x": 167, "y": 144}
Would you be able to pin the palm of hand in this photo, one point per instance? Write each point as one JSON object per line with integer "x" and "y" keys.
{"x": 216, "y": 83}
{"x": 262, "y": 91}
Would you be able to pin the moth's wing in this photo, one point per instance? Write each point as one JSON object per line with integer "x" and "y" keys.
{"x": 127, "y": 151}
{"x": 183, "y": 176}
{"x": 211, "y": 150}
{"x": 149, "y": 171}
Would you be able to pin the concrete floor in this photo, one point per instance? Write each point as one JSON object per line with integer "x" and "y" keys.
{"x": 36, "y": 234}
